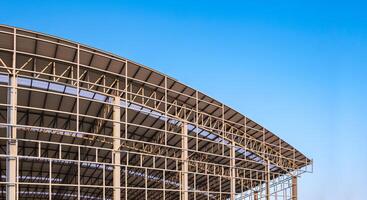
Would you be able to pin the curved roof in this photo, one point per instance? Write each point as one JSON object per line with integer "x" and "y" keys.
{"x": 51, "y": 47}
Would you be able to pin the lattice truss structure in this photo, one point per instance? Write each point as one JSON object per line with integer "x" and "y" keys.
{"x": 80, "y": 123}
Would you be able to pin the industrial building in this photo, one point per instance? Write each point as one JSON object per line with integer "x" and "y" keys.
{"x": 80, "y": 123}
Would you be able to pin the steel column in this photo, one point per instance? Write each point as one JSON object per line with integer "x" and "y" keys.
{"x": 233, "y": 171}
{"x": 116, "y": 148}
{"x": 256, "y": 195}
{"x": 185, "y": 164}
{"x": 267, "y": 174}
{"x": 294, "y": 188}
{"x": 11, "y": 162}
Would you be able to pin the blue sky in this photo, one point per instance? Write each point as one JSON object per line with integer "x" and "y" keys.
{"x": 298, "y": 68}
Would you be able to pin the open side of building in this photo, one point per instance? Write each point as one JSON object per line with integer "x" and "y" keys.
{"x": 80, "y": 123}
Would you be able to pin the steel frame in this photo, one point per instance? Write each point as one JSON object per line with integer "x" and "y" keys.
{"x": 116, "y": 135}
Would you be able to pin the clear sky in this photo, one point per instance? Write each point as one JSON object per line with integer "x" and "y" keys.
{"x": 299, "y": 69}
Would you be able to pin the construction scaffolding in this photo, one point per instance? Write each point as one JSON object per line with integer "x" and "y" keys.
{"x": 80, "y": 123}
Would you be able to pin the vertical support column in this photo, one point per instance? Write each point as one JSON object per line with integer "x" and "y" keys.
{"x": 77, "y": 111}
{"x": 256, "y": 195}
{"x": 11, "y": 162}
{"x": 77, "y": 88}
{"x": 126, "y": 127}
{"x": 50, "y": 180}
{"x": 233, "y": 170}
{"x": 196, "y": 140}
{"x": 294, "y": 188}
{"x": 185, "y": 164}
{"x": 104, "y": 182}
{"x": 127, "y": 95}
{"x": 116, "y": 148}
{"x": 79, "y": 177}
{"x": 165, "y": 128}
{"x": 267, "y": 174}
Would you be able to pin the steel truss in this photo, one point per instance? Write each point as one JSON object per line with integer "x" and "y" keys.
{"x": 77, "y": 123}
